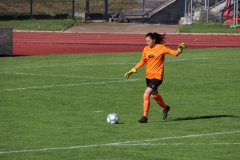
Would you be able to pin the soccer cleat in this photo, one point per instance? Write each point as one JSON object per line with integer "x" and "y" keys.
{"x": 143, "y": 120}
{"x": 165, "y": 112}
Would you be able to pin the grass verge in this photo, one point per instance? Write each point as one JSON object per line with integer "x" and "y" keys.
{"x": 210, "y": 27}
{"x": 39, "y": 25}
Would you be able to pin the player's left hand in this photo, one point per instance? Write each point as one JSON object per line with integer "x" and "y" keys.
{"x": 181, "y": 46}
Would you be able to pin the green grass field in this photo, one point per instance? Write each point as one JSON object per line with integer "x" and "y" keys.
{"x": 55, "y": 107}
{"x": 210, "y": 27}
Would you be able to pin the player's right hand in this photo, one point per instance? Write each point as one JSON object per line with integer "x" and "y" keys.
{"x": 129, "y": 73}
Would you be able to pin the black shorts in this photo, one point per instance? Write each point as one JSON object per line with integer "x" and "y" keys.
{"x": 153, "y": 83}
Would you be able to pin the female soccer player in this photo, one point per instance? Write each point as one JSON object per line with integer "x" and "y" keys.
{"x": 153, "y": 56}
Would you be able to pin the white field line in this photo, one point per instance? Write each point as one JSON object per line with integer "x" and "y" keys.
{"x": 67, "y": 85}
{"x": 66, "y": 76}
{"x": 175, "y": 144}
{"x": 73, "y": 65}
{"x": 133, "y": 143}
{"x": 100, "y": 64}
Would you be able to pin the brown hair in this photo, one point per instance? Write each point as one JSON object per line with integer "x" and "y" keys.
{"x": 159, "y": 38}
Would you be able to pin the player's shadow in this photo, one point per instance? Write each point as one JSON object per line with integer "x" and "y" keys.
{"x": 204, "y": 117}
{"x": 120, "y": 123}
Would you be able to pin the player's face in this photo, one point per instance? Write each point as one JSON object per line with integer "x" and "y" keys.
{"x": 150, "y": 42}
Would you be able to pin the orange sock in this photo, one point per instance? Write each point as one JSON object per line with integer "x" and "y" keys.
{"x": 146, "y": 104}
{"x": 159, "y": 100}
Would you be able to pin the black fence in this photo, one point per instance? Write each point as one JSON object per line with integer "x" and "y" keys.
{"x": 58, "y": 9}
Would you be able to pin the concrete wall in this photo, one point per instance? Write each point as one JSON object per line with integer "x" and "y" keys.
{"x": 170, "y": 14}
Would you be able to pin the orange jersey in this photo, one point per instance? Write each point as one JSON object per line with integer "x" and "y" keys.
{"x": 155, "y": 65}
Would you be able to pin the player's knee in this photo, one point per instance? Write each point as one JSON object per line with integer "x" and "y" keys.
{"x": 145, "y": 96}
{"x": 154, "y": 96}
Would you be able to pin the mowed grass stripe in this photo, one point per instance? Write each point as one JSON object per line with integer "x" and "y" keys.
{"x": 129, "y": 143}
{"x": 67, "y": 85}
{"x": 65, "y": 76}
{"x": 114, "y": 64}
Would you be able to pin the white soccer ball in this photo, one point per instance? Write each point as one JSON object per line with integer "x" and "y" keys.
{"x": 112, "y": 118}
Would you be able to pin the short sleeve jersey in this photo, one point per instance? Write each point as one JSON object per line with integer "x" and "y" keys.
{"x": 155, "y": 65}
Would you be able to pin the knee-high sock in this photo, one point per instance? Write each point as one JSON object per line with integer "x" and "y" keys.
{"x": 158, "y": 98}
{"x": 146, "y": 104}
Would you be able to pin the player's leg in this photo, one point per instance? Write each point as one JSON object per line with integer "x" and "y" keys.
{"x": 158, "y": 98}
{"x": 146, "y": 103}
{"x": 151, "y": 86}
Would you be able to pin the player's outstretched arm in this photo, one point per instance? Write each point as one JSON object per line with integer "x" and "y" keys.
{"x": 129, "y": 73}
{"x": 181, "y": 46}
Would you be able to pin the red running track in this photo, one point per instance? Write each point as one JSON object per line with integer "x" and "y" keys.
{"x": 39, "y": 43}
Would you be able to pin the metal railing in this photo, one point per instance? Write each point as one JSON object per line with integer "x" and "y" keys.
{"x": 218, "y": 6}
{"x": 159, "y": 7}
{"x": 152, "y": 11}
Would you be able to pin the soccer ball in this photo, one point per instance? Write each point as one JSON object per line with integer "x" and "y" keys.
{"x": 112, "y": 118}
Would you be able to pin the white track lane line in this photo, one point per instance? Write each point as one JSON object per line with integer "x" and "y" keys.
{"x": 129, "y": 143}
